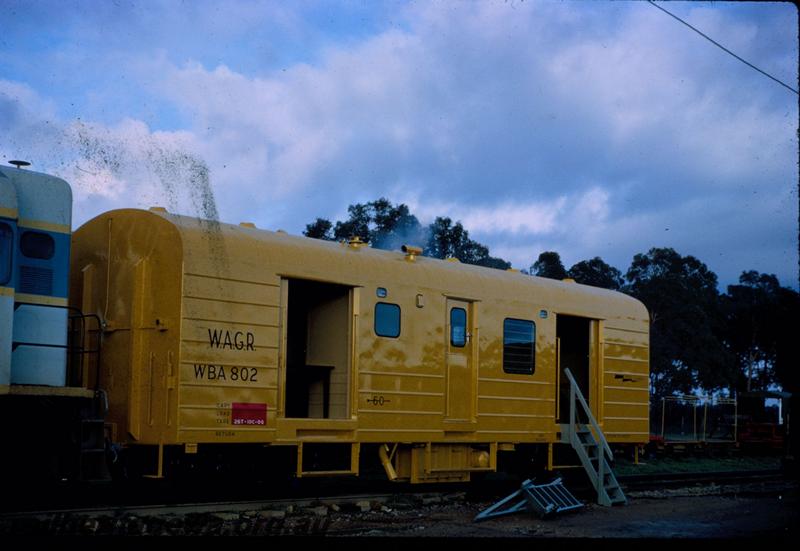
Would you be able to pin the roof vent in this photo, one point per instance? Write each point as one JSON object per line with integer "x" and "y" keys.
{"x": 247, "y": 224}
{"x": 19, "y": 164}
{"x": 158, "y": 209}
{"x": 355, "y": 242}
{"x": 568, "y": 280}
{"x": 452, "y": 259}
{"x": 411, "y": 252}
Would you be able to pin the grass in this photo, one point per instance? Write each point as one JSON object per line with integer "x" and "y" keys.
{"x": 694, "y": 463}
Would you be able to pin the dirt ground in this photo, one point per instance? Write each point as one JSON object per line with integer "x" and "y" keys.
{"x": 674, "y": 517}
{"x": 757, "y": 510}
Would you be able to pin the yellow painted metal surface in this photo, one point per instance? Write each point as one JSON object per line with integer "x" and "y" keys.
{"x": 195, "y": 341}
{"x": 442, "y": 462}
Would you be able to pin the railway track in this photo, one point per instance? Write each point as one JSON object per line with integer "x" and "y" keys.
{"x": 296, "y": 516}
{"x": 311, "y": 496}
{"x": 402, "y": 510}
{"x": 207, "y": 507}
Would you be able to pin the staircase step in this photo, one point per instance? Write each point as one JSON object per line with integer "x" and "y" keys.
{"x": 586, "y": 438}
{"x": 545, "y": 499}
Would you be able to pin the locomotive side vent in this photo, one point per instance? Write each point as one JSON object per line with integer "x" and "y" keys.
{"x": 36, "y": 281}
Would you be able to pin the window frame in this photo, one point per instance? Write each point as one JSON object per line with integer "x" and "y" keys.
{"x": 399, "y": 320}
{"x": 25, "y": 245}
{"x": 464, "y": 325}
{"x": 8, "y": 261}
{"x": 516, "y": 370}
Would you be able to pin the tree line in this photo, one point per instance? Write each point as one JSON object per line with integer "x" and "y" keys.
{"x": 739, "y": 340}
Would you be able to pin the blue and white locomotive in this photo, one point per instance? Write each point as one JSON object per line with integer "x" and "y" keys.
{"x": 35, "y": 229}
{"x": 51, "y": 427}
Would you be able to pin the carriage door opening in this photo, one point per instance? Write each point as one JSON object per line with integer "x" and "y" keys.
{"x": 318, "y": 336}
{"x": 460, "y": 407}
{"x": 574, "y": 352}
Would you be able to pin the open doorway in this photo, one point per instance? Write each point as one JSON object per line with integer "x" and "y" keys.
{"x": 318, "y": 336}
{"x": 574, "y": 336}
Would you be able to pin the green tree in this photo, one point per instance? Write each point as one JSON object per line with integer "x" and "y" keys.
{"x": 787, "y": 353}
{"x": 452, "y": 240}
{"x": 686, "y": 322}
{"x": 388, "y": 226}
{"x": 446, "y": 239}
{"x": 356, "y": 225}
{"x": 597, "y": 273}
{"x": 383, "y": 225}
{"x": 320, "y": 229}
{"x": 394, "y": 226}
{"x": 549, "y": 265}
{"x": 758, "y": 312}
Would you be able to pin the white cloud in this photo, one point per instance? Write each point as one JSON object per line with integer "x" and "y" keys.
{"x": 536, "y": 124}
{"x": 125, "y": 165}
{"x": 564, "y": 214}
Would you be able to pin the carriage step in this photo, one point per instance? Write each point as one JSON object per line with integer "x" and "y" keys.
{"x": 543, "y": 499}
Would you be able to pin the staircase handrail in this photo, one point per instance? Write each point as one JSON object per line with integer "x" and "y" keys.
{"x": 576, "y": 391}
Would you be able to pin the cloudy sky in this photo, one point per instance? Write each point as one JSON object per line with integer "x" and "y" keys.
{"x": 588, "y": 128}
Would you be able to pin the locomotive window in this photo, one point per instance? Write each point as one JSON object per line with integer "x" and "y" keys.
{"x": 519, "y": 340}
{"x": 458, "y": 327}
{"x": 387, "y": 320}
{"x": 36, "y": 244}
{"x": 6, "y": 245}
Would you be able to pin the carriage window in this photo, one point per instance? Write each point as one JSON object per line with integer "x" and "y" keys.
{"x": 387, "y": 320}
{"x": 458, "y": 327}
{"x": 519, "y": 340}
{"x": 6, "y": 245}
{"x": 36, "y": 244}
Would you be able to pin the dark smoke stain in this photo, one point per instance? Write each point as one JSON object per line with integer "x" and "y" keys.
{"x": 105, "y": 152}
{"x": 182, "y": 179}
{"x": 177, "y": 173}
{"x": 180, "y": 172}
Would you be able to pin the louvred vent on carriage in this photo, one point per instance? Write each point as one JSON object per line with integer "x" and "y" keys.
{"x": 35, "y": 281}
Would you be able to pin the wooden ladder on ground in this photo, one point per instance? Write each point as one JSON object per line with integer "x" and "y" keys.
{"x": 590, "y": 443}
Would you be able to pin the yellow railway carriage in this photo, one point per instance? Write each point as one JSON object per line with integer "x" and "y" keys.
{"x": 227, "y": 334}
